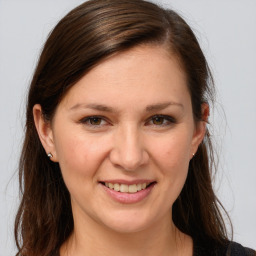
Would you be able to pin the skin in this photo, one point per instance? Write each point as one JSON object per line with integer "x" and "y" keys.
{"x": 125, "y": 142}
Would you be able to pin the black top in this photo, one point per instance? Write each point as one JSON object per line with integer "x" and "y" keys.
{"x": 228, "y": 249}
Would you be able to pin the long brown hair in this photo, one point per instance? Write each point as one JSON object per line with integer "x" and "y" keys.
{"x": 88, "y": 34}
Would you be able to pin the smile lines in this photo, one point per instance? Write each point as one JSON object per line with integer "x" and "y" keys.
{"x": 124, "y": 188}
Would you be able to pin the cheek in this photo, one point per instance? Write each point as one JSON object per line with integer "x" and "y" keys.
{"x": 79, "y": 155}
{"x": 173, "y": 151}
{"x": 172, "y": 156}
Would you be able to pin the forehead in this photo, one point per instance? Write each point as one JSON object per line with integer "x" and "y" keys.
{"x": 140, "y": 75}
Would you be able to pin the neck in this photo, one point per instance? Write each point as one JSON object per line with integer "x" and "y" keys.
{"x": 92, "y": 238}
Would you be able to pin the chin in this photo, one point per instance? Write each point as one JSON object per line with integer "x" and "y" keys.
{"x": 127, "y": 223}
{"x": 127, "y": 227}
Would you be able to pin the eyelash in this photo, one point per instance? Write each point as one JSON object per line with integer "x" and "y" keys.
{"x": 167, "y": 121}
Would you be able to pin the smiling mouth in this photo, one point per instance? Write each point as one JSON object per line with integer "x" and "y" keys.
{"x": 124, "y": 188}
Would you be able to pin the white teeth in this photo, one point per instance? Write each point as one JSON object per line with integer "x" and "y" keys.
{"x": 124, "y": 188}
{"x": 116, "y": 187}
{"x": 133, "y": 188}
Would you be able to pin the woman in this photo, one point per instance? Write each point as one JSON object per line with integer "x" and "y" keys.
{"x": 117, "y": 158}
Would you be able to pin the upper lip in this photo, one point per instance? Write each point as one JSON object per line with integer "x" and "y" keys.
{"x": 127, "y": 182}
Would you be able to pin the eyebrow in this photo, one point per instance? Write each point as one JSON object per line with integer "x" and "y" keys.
{"x": 99, "y": 107}
{"x": 161, "y": 106}
{"x": 149, "y": 108}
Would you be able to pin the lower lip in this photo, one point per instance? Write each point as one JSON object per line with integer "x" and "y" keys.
{"x": 128, "y": 198}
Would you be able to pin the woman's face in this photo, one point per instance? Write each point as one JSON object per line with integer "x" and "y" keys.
{"x": 125, "y": 125}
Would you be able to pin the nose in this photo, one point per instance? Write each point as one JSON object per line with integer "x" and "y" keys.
{"x": 128, "y": 151}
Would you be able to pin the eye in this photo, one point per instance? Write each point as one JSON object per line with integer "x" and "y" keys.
{"x": 161, "y": 120}
{"x": 93, "y": 121}
{"x": 158, "y": 120}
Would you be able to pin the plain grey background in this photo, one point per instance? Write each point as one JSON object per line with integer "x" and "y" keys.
{"x": 226, "y": 30}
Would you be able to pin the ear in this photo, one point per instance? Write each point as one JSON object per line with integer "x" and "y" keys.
{"x": 200, "y": 129}
{"x": 44, "y": 131}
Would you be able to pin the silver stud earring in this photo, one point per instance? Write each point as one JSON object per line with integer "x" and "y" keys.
{"x": 50, "y": 155}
